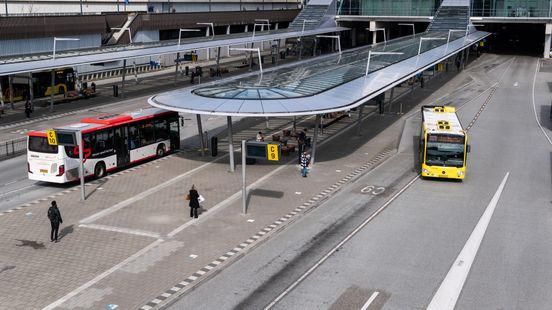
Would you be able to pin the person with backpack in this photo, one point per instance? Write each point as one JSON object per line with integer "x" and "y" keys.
{"x": 193, "y": 197}
{"x": 55, "y": 219}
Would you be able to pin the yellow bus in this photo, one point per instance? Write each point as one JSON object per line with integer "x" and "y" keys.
{"x": 443, "y": 143}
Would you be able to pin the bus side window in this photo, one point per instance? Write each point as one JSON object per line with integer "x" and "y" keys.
{"x": 134, "y": 137}
{"x": 161, "y": 130}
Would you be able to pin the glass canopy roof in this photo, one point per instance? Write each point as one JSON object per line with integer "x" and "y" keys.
{"x": 322, "y": 74}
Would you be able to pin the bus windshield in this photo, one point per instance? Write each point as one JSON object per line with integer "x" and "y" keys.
{"x": 445, "y": 150}
{"x": 40, "y": 145}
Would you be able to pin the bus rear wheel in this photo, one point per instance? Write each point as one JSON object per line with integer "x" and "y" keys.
{"x": 99, "y": 170}
{"x": 160, "y": 150}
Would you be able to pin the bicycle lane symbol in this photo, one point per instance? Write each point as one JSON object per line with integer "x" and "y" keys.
{"x": 373, "y": 189}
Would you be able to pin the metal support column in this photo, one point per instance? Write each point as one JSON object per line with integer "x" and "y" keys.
{"x": 251, "y": 58}
{"x": 294, "y": 124}
{"x": 467, "y": 54}
{"x": 230, "y": 143}
{"x": 31, "y": 90}
{"x": 176, "y": 64}
{"x": 123, "y": 83}
{"x": 359, "y": 121}
{"x": 391, "y": 95}
{"x": 52, "y": 87}
{"x": 217, "y": 70}
{"x": 1, "y": 98}
{"x": 267, "y": 124}
{"x": 200, "y": 131}
{"x": 244, "y": 186}
{"x": 314, "y": 138}
{"x": 228, "y": 47}
{"x": 10, "y": 85}
{"x": 81, "y": 164}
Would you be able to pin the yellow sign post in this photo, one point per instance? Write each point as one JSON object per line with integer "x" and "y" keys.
{"x": 272, "y": 151}
{"x": 52, "y": 139}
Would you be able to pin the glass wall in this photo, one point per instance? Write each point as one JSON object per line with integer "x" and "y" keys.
{"x": 510, "y": 8}
{"x": 498, "y": 8}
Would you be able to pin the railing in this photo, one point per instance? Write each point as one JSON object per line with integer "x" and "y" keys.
{"x": 512, "y": 12}
{"x": 369, "y": 11}
{"x": 12, "y": 148}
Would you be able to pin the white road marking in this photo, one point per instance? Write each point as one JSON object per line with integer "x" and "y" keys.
{"x": 122, "y": 230}
{"x": 370, "y": 301}
{"x": 447, "y": 295}
{"x": 340, "y": 244}
{"x": 16, "y": 190}
{"x": 101, "y": 276}
{"x": 251, "y": 220}
{"x": 142, "y": 195}
{"x": 193, "y": 256}
{"x": 534, "y": 107}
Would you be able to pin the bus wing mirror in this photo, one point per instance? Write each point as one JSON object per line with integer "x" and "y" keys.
{"x": 468, "y": 148}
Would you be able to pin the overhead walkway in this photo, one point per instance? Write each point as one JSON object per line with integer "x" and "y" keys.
{"x": 325, "y": 84}
{"x": 46, "y": 61}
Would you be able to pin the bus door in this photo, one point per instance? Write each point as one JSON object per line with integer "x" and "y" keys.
{"x": 174, "y": 133}
{"x": 121, "y": 146}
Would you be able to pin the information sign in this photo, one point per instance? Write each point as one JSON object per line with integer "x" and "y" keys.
{"x": 52, "y": 139}
{"x": 273, "y": 151}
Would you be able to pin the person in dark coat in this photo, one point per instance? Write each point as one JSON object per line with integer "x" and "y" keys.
{"x": 194, "y": 202}
{"x": 55, "y": 219}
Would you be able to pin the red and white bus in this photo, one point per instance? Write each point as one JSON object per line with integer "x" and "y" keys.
{"x": 110, "y": 142}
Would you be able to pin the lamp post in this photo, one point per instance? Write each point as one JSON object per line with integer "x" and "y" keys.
{"x": 307, "y": 21}
{"x": 212, "y": 27}
{"x": 370, "y": 53}
{"x": 61, "y": 39}
{"x": 333, "y": 37}
{"x": 413, "y": 28}
{"x": 379, "y": 29}
{"x": 180, "y": 34}
{"x": 426, "y": 39}
{"x": 251, "y": 50}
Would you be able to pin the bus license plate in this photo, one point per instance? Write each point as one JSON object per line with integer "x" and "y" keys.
{"x": 43, "y": 170}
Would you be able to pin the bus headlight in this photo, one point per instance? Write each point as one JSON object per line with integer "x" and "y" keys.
{"x": 460, "y": 173}
{"x": 425, "y": 171}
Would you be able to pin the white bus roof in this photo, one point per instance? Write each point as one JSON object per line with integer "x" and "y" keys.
{"x": 441, "y": 119}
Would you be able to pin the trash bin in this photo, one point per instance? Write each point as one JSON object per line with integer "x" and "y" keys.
{"x": 115, "y": 90}
{"x": 214, "y": 146}
{"x": 187, "y": 70}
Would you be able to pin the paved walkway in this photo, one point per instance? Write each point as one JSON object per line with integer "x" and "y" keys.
{"x": 133, "y": 244}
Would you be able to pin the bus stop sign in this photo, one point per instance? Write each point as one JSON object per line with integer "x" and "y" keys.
{"x": 52, "y": 139}
{"x": 263, "y": 150}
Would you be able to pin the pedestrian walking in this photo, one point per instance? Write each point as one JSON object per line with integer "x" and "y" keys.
{"x": 28, "y": 108}
{"x": 193, "y": 197}
{"x": 305, "y": 162}
{"x": 93, "y": 86}
{"x": 55, "y": 219}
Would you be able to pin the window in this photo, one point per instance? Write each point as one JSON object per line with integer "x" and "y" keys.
{"x": 40, "y": 145}
{"x": 134, "y": 136}
{"x": 146, "y": 133}
{"x": 103, "y": 142}
{"x": 161, "y": 130}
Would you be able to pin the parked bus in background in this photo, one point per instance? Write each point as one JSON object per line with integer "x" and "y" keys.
{"x": 443, "y": 143}
{"x": 110, "y": 142}
{"x": 64, "y": 81}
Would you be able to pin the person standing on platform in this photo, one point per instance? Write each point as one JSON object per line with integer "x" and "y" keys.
{"x": 194, "y": 202}
{"x": 28, "y": 108}
{"x": 55, "y": 219}
{"x": 305, "y": 161}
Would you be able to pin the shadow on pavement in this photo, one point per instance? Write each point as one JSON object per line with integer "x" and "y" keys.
{"x": 33, "y": 244}
{"x": 65, "y": 231}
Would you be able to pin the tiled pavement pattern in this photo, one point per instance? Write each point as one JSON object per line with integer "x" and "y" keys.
{"x": 148, "y": 248}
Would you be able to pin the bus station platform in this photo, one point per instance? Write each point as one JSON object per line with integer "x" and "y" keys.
{"x": 133, "y": 244}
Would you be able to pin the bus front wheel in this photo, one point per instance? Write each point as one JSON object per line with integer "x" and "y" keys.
{"x": 160, "y": 150}
{"x": 99, "y": 170}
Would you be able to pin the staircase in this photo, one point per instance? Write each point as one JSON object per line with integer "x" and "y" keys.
{"x": 311, "y": 16}
{"x": 450, "y": 17}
